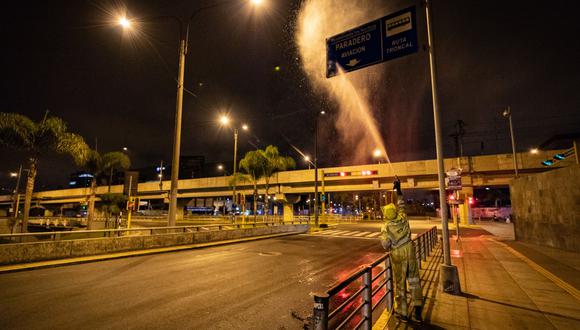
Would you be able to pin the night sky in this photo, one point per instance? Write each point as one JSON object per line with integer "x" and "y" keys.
{"x": 119, "y": 91}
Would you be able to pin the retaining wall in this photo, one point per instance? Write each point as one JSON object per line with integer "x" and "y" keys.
{"x": 547, "y": 208}
{"x": 38, "y": 251}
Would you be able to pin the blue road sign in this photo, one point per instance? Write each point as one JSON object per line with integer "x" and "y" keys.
{"x": 384, "y": 39}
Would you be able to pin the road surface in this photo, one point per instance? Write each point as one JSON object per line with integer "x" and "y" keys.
{"x": 253, "y": 285}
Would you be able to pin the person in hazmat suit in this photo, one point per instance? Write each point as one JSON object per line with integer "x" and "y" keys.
{"x": 396, "y": 237}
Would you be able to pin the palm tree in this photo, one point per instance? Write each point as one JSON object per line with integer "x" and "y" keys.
{"x": 97, "y": 165}
{"x": 275, "y": 162}
{"x": 252, "y": 170}
{"x": 36, "y": 138}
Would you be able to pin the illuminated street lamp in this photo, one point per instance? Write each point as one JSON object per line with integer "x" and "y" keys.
{"x": 377, "y": 155}
{"x": 507, "y": 113}
{"x": 225, "y": 121}
{"x": 321, "y": 113}
{"x": 534, "y": 151}
{"x": 184, "y": 26}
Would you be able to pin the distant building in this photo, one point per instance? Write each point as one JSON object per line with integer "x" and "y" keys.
{"x": 80, "y": 179}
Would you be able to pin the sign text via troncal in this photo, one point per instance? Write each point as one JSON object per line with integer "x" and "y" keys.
{"x": 384, "y": 39}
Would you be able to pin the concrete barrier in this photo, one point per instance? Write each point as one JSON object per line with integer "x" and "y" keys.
{"x": 39, "y": 251}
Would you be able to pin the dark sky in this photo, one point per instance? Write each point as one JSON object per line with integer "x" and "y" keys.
{"x": 64, "y": 56}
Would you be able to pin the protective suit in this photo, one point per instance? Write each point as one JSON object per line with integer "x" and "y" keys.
{"x": 396, "y": 237}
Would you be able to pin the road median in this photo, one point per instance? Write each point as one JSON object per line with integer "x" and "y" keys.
{"x": 87, "y": 249}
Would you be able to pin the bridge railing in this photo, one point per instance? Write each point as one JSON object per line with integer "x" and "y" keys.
{"x": 351, "y": 303}
{"x": 151, "y": 231}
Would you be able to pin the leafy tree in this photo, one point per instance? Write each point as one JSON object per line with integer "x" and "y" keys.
{"x": 252, "y": 170}
{"x": 275, "y": 162}
{"x": 98, "y": 164}
{"x": 35, "y": 139}
{"x": 113, "y": 204}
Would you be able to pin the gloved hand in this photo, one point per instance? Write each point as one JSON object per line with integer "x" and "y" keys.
{"x": 397, "y": 186}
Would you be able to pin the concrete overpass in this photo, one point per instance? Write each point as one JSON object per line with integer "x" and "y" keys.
{"x": 487, "y": 170}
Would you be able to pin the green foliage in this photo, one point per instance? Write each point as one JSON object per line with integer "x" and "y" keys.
{"x": 96, "y": 163}
{"x": 275, "y": 162}
{"x": 21, "y": 133}
{"x": 253, "y": 164}
{"x": 113, "y": 203}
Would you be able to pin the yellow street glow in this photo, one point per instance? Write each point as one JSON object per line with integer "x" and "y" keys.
{"x": 124, "y": 22}
{"x": 245, "y": 127}
{"x": 224, "y": 120}
{"x": 377, "y": 153}
{"x": 257, "y": 2}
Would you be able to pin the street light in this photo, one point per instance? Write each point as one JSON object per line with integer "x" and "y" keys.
{"x": 507, "y": 113}
{"x": 184, "y": 27}
{"x": 225, "y": 121}
{"x": 534, "y": 151}
{"x": 377, "y": 154}
{"x": 320, "y": 113}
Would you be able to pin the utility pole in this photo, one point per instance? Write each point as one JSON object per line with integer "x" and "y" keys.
{"x": 17, "y": 193}
{"x": 161, "y": 176}
{"x": 449, "y": 276}
{"x": 508, "y": 114}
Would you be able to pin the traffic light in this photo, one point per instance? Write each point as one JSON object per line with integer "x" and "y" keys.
{"x": 558, "y": 157}
{"x": 548, "y": 162}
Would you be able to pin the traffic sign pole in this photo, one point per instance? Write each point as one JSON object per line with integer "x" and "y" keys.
{"x": 449, "y": 274}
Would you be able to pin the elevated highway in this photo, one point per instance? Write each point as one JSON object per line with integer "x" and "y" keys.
{"x": 486, "y": 170}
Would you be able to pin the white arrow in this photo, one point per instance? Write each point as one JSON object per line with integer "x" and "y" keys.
{"x": 353, "y": 62}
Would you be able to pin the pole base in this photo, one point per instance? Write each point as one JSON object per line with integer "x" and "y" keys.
{"x": 449, "y": 278}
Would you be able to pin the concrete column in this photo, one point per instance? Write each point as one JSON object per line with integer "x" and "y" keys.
{"x": 181, "y": 203}
{"x": 465, "y": 208}
{"x": 288, "y": 212}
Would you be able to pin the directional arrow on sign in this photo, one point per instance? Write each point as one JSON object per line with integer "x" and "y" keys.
{"x": 353, "y": 62}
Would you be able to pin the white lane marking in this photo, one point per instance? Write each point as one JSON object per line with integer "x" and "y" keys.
{"x": 327, "y": 232}
{"x": 340, "y": 232}
{"x": 350, "y": 233}
{"x": 375, "y": 234}
{"x": 364, "y": 233}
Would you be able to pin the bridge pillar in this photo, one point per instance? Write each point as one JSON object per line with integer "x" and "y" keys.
{"x": 288, "y": 212}
{"x": 181, "y": 203}
{"x": 465, "y": 208}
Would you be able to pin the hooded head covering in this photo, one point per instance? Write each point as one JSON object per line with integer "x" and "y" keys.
{"x": 389, "y": 211}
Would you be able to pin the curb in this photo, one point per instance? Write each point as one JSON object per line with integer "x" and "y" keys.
{"x": 128, "y": 254}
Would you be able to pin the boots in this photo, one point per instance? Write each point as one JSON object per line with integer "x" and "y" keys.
{"x": 417, "y": 310}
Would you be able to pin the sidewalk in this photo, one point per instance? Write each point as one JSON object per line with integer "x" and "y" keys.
{"x": 502, "y": 289}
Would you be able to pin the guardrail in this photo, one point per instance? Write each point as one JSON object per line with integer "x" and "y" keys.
{"x": 151, "y": 231}
{"x": 347, "y": 305}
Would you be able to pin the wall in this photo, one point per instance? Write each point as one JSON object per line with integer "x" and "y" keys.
{"x": 37, "y": 251}
{"x": 546, "y": 207}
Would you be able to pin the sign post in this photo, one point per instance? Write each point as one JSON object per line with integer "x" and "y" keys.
{"x": 387, "y": 38}
{"x": 381, "y": 40}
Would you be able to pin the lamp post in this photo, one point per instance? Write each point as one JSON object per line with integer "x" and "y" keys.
{"x": 377, "y": 155}
{"x": 184, "y": 26}
{"x": 16, "y": 198}
{"x": 449, "y": 277}
{"x": 507, "y": 113}
{"x": 225, "y": 121}
{"x": 322, "y": 112}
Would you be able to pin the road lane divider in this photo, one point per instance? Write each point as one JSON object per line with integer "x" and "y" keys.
{"x": 135, "y": 253}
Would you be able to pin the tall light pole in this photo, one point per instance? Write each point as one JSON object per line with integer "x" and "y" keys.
{"x": 507, "y": 113}
{"x": 316, "y": 167}
{"x": 449, "y": 275}
{"x": 184, "y": 26}
{"x": 225, "y": 121}
{"x": 16, "y": 198}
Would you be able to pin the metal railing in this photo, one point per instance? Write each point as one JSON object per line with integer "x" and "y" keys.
{"x": 150, "y": 231}
{"x": 350, "y": 304}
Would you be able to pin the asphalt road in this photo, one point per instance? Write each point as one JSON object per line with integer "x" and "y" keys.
{"x": 253, "y": 285}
